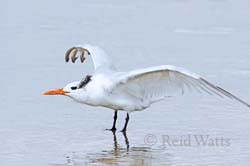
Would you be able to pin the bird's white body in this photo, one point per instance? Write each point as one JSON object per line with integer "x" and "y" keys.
{"x": 99, "y": 92}
{"x": 138, "y": 89}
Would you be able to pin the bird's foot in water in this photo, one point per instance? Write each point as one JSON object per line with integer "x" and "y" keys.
{"x": 113, "y": 129}
{"x": 123, "y": 130}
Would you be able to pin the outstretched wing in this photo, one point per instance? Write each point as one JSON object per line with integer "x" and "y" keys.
{"x": 155, "y": 83}
{"x": 98, "y": 55}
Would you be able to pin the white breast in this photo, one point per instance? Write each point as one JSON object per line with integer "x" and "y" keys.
{"x": 100, "y": 94}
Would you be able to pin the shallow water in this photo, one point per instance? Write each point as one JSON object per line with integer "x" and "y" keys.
{"x": 209, "y": 37}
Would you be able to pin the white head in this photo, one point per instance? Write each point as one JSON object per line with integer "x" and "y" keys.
{"x": 72, "y": 90}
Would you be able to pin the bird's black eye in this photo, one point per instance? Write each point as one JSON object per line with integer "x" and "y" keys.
{"x": 73, "y": 88}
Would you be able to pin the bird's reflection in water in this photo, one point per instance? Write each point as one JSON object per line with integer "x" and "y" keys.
{"x": 117, "y": 147}
{"x": 122, "y": 155}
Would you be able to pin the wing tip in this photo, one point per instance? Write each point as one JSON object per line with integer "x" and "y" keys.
{"x": 226, "y": 93}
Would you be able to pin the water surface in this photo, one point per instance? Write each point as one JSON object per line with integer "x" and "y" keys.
{"x": 209, "y": 37}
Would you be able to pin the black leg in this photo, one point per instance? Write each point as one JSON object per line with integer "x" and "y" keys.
{"x": 114, "y": 122}
{"x": 126, "y": 123}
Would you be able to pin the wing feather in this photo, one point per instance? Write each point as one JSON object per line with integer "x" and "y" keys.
{"x": 99, "y": 57}
{"x": 155, "y": 83}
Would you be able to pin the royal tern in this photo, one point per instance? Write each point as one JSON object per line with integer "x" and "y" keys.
{"x": 131, "y": 91}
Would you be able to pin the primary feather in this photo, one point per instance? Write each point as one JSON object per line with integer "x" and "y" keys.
{"x": 155, "y": 83}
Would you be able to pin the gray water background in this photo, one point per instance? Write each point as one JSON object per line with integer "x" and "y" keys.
{"x": 209, "y": 37}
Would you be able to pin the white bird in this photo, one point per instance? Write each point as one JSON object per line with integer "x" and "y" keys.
{"x": 131, "y": 91}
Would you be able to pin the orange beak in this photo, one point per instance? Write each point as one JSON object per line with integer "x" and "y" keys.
{"x": 55, "y": 92}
